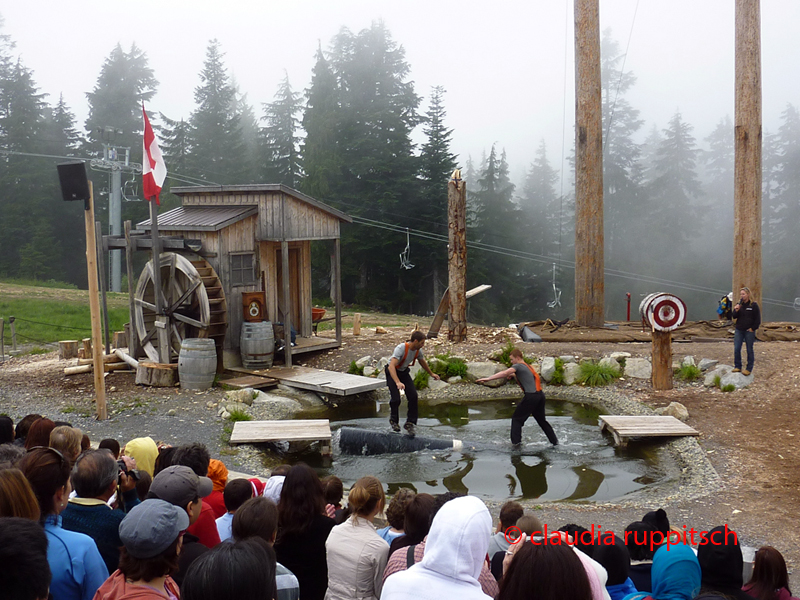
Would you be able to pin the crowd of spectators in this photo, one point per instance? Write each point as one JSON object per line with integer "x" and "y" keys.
{"x": 146, "y": 520}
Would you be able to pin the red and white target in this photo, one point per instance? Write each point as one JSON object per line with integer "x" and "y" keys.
{"x": 664, "y": 312}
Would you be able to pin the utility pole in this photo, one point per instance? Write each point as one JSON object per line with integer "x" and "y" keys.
{"x": 589, "y": 259}
{"x": 116, "y": 159}
{"x": 747, "y": 162}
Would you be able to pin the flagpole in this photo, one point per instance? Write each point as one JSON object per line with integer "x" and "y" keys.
{"x": 161, "y": 321}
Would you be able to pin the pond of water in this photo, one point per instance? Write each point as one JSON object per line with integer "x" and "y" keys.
{"x": 585, "y": 466}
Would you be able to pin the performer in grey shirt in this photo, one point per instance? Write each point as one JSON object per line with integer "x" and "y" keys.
{"x": 532, "y": 402}
{"x": 398, "y": 379}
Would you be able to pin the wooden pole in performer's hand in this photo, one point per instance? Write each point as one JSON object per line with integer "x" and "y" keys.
{"x": 94, "y": 308}
{"x": 457, "y": 257}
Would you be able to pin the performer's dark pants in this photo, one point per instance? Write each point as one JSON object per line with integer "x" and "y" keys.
{"x": 531, "y": 404}
{"x": 411, "y": 394}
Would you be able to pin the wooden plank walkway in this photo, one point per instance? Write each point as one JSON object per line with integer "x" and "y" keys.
{"x": 301, "y": 430}
{"x": 250, "y": 381}
{"x": 319, "y": 380}
{"x": 622, "y": 428}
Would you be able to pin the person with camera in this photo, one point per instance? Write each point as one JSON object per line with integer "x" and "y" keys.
{"x": 747, "y": 315}
{"x": 97, "y": 478}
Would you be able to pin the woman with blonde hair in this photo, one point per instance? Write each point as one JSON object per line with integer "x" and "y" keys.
{"x": 67, "y": 440}
{"x": 356, "y": 554}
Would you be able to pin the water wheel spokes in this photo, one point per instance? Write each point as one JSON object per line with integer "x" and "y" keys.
{"x": 186, "y": 311}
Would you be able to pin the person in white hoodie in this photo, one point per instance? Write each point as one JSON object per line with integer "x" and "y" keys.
{"x": 454, "y": 553}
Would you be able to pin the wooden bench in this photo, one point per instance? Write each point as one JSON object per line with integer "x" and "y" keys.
{"x": 623, "y": 428}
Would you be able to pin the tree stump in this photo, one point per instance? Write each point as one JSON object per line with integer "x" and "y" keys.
{"x": 120, "y": 339}
{"x": 157, "y": 374}
{"x": 67, "y": 349}
{"x": 357, "y": 324}
{"x": 87, "y": 347}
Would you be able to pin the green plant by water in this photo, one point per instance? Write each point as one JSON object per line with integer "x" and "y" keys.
{"x": 688, "y": 372}
{"x": 597, "y": 375}
{"x": 558, "y": 374}
{"x": 446, "y": 366}
{"x": 239, "y": 415}
{"x": 421, "y": 379}
{"x": 355, "y": 369}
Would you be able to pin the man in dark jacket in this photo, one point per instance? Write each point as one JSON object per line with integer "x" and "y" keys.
{"x": 747, "y": 315}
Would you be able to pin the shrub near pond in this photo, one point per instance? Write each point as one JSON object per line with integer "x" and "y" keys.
{"x": 447, "y": 366}
{"x": 596, "y": 375}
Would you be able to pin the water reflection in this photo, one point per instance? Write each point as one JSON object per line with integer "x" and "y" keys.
{"x": 584, "y": 467}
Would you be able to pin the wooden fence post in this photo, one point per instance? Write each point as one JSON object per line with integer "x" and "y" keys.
{"x": 13, "y": 334}
{"x": 2, "y": 340}
{"x": 662, "y": 360}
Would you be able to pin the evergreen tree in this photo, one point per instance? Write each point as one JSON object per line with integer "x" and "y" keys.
{"x": 374, "y": 155}
{"x": 541, "y": 205}
{"x": 431, "y": 207}
{"x": 320, "y": 122}
{"x": 280, "y": 147}
{"x": 717, "y": 245}
{"x": 623, "y": 202}
{"x": 219, "y": 151}
{"x": 674, "y": 218}
{"x": 62, "y": 136}
{"x": 125, "y": 81}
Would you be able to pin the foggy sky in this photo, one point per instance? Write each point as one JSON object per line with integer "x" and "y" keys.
{"x": 507, "y": 66}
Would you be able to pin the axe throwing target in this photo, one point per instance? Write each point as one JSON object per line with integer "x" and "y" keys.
{"x": 664, "y": 312}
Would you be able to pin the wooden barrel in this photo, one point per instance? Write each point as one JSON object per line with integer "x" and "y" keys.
{"x": 197, "y": 363}
{"x": 257, "y": 345}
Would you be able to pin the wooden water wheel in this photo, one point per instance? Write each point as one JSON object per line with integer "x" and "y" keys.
{"x": 194, "y": 301}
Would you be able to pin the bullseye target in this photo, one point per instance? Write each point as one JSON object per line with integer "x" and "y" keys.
{"x": 664, "y": 312}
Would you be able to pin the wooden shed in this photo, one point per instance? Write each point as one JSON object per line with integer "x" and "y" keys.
{"x": 258, "y": 238}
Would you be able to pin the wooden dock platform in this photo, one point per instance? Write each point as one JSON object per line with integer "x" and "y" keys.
{"x": 318, "y": 380}
{"x": 623, "y": 428}
{"x": 301, "y": 430}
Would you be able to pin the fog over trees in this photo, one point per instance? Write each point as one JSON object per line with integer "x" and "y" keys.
{"x": 349, "y": 141}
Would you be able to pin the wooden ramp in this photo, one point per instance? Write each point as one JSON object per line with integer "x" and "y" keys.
{"x": 307, "y": 430}
{"x": 625, "y": 427}
{"x": 319, "y": 380}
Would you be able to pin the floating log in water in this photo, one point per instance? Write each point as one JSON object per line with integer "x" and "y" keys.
{"x": 361, "y": 442}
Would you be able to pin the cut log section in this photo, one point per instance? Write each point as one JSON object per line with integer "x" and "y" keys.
{"x": 194, "y": 304}
{"x": 67, "y": 349}
{"x": 156, "y": 374}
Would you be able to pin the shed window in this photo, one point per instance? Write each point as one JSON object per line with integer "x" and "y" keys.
{"x": 242, "y": 271}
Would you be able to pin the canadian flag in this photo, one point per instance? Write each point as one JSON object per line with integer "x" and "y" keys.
{"x": 154, "y": 170}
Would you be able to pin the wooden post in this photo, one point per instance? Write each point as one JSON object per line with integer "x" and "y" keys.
{"x": 13, "y": 334}
{"x": 87, "y": 347}
{"x": 101, "y": 270}
{"x": 2, "y": 340}
{"x": 457, "y": 259}
{"x": 337, "y": 289}
{"x": 662, "y": 360}
{"x": 747, "y": 162}
{"x": 589, "y": 260}
{"x": 287, "y": 304}
{"x": 357, "y": 324}
{"x": 161, "y": 323}
{"x": 94, "y": 308}
{"x": 133, "y": 338}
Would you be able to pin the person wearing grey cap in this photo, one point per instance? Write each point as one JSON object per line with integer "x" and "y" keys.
{"x": 152, "y": 535}
{"x": 182, "y": 487}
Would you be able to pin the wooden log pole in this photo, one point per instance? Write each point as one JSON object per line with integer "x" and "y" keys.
{"x": 11, "y": 322}
{"x": 101, "y": 270}
{"x": 2, "y": 340}
{"x": 357, "y": 324}
{"x": 133, "y": 338}
{"x": 457, "y": 259}
{"x": 94, "y": 309}
{"x": 287, "y": 305}
{"x": 747, "y": 152}
{"x": 662, "y": 360}
{"x": 589, "y": 260}
{"x": 126, "y": 358}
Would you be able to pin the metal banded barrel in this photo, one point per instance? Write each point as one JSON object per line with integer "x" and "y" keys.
{"x": 257, "y": 345}
{"x": 197, "y": 363}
